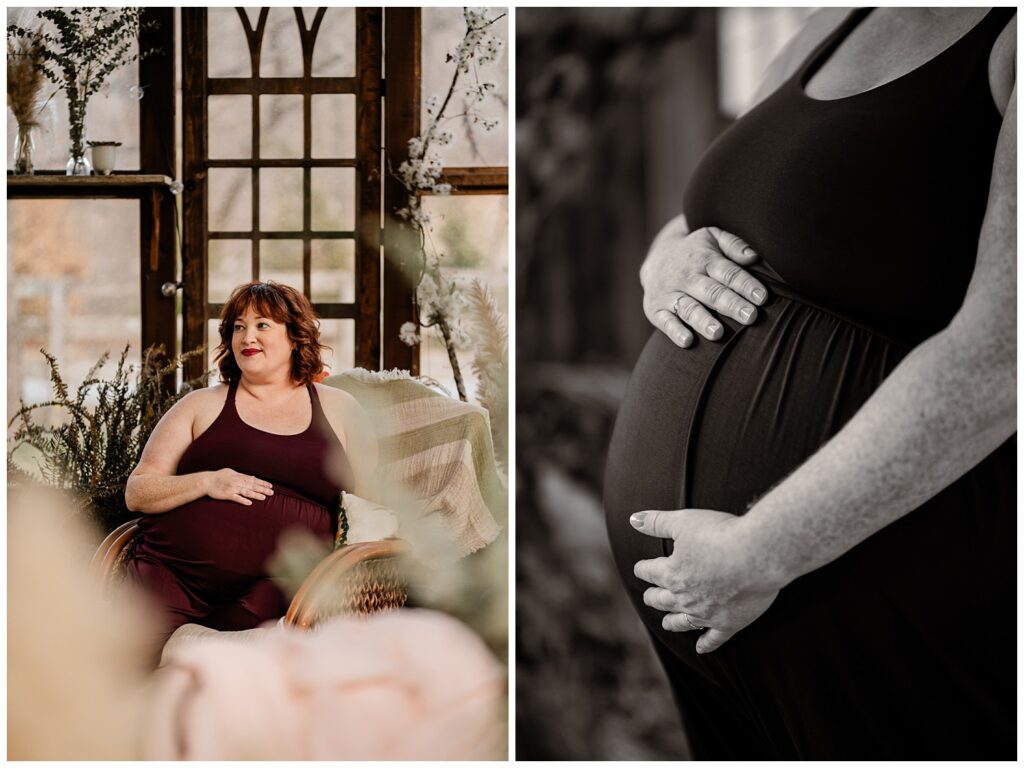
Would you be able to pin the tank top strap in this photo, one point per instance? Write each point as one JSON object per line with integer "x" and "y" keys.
{"x": 232, "y": 390}
{"x": 319, "y": 417}
{"x": 826, "y": 47}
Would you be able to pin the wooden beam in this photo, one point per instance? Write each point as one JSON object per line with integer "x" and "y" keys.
{"x": 402, "y": 43}
{"x": 157, "y": 156}
{"x": 368, "y": 172}
{"x": 477, "y": 180}
{"x": 194, "y": 199}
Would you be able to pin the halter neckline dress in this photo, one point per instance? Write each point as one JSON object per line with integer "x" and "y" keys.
{"x": 205, "y": 562}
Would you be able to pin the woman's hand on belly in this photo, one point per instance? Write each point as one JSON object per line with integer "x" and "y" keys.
{"x": 687, "y": 273}
{"x": 228, "y": 485}
{"x": 708, "y": 582}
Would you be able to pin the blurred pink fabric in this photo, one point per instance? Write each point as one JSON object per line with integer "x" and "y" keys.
{"x": 406, "y": 685}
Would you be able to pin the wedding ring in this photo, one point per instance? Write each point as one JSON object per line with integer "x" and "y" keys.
{"x": 675, "y": 304}
{"x": 689, "y": 621}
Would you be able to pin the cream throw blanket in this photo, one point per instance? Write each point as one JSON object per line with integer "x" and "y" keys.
{"x": 437, "y": 449}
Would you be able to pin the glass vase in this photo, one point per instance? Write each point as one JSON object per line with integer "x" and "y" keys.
{"x": 78, "y": 165}
{"x": 24, "y": 150}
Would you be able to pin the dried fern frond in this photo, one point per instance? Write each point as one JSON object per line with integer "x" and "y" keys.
{"x": 25, "y": 77}
{"x": 93, "y": 452}
{"x": 490, "y": 363}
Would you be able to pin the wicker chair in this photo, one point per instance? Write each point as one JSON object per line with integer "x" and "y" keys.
{"x": 437, "y": 447}
{"x": 359, "y": 579}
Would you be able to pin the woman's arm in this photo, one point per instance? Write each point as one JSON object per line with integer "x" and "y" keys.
{"x": 945, "y": 407}
{"x": 352, "y": 426}
{"x": 153, "y": 486}
{"x": 949, "y": 404}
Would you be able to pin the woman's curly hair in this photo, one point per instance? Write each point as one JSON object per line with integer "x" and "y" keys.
{"x": 284, "y": 305}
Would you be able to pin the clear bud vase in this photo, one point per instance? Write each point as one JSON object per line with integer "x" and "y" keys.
{"x": 78, "y": 164}
{"x": 24, "y": 150}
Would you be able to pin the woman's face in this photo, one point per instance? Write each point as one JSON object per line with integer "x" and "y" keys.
{"x": 261, "y": 345}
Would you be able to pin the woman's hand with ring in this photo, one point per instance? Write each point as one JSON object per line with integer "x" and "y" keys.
{"x": 228, "y": 485}
{"x": 711, "y": 580}
{"x": 685, "y": 275}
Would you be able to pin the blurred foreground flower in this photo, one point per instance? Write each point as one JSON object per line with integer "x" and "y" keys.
{"x": 75, "y": 688}
{"x": 408, "y": 685}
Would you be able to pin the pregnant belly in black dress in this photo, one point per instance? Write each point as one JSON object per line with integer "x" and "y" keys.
{"x": 839, "y": 665}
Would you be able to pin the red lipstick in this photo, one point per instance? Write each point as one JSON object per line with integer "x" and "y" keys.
{"x": 250, "y": 352}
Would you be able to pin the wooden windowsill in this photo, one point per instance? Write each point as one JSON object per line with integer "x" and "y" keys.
{"x": 56, "y": 184}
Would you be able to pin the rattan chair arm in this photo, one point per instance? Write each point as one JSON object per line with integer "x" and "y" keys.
{"x": 366, "y": 573}
{"x": 104, "y": 563}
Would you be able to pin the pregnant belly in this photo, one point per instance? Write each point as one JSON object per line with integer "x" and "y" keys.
{"x": 208, "y": 536}
{"x": 717, "y": 425}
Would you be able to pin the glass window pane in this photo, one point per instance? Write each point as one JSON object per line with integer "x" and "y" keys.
{"x": 280, "y": 126}
{"x": 230, "y": 265}
{"x": 280, "y": 199}
{"x": 112, "y": 115}
{"x": 281, "y": 54}
{"x": 333, "y": 271}
{"x": 334, "y": 199}
{"x": 471, "y": 232}
{"x": 72, "y": 288}
{"x": 334, "y": 54}
{"x": 230, "y": 199}
{"x": 230, "y": 126}
{"x": 334, "y": 125}
{"x": 227, "y": 48}
{"x": 340, "y": 335}
{"x": 281, "y": 260}
{"x": 443, "y": 28}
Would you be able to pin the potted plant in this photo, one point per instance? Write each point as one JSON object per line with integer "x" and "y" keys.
{"x": 104, "y": 156}
{"x": 86, "y": 47}
{"x": 92, "y": 453}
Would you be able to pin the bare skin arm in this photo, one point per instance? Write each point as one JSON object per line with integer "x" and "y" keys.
{"x": 948, "y": 404}
{"x": 357, "y": 435}
{"x": 153, "y": 486}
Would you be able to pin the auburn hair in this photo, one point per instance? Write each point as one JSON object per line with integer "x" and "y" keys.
{"x": 282, "y": 304}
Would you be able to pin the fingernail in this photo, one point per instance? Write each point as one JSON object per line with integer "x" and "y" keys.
{"x": 758, "y": 294}
{"x": 748, "y": 251}
{"x": 746, "y": 313}
{"x": 700, "y": 648}
{"x": 713, "y": 328}
{"x": 637, "y": 519}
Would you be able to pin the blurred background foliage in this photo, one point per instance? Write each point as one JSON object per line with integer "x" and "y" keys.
{"x": 614, "y": 109}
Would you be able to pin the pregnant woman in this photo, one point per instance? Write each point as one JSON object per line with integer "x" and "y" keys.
{"x": 232, "y": 466}
{"x": 812, "y": 506}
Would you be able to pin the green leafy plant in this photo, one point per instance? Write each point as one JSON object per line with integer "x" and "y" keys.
{"x": 92, "y": 453}
{"x": 89, "y": 45}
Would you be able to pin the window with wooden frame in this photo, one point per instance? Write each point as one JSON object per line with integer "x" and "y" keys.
{"x": 470, "y": 227}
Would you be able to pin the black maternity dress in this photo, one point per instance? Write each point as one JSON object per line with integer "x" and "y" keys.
{"x": 205, "y": 561}
{"x": 866, "y": 211}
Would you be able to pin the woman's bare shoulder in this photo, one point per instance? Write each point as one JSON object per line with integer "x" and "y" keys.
{"x": 335, "y": 399}
{"x": 818, "y": 26}
{"x": 203, "y": 406}
{"x": 1002, "y": 65}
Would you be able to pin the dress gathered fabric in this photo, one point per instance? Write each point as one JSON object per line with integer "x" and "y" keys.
{"x": 205, "y": 561}
{"x": 866, "y": 211}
